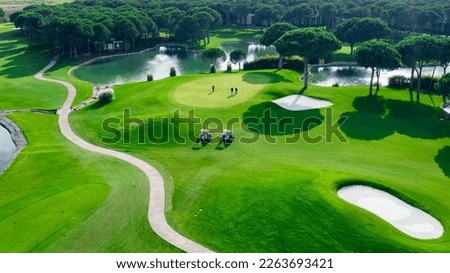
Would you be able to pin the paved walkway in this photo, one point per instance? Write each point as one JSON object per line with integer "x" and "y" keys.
{"x": 156, "y": 214}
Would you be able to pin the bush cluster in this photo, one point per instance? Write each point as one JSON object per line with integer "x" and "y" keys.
{"x": 399, "y": 81}
{"x": 267, "y": 62}
{"x": 105, "y": 97}
{"x": 173, "y": 71}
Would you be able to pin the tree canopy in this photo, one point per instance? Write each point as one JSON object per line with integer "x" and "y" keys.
{"x": 443, "y": 86}
{"x": 273, "y": 33}
{"x": 309, "y": 43}
{"x": 357, "y": 30}
{"x": 443, "y": 54}
{"x": 213, "y": 55}
{"x": 237, "y": 56}
{"x": 377, "y": 55}
{"x": 418, "y": 51}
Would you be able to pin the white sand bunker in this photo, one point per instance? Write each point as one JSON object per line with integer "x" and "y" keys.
{"x": 301, "y": 103}
{"x": 446, "y": 107}
{"x": 401, "y": 215}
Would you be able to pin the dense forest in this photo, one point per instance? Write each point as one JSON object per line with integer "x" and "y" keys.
{"x": 86, "y": 25}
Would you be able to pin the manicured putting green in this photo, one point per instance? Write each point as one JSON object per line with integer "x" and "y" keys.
{"x": 199, "y": 93}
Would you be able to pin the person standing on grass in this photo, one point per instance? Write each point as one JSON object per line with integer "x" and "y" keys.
{"x": 232, "y": 90}
{"x": 235, "y": 90}
{"x": 212, "y": 88}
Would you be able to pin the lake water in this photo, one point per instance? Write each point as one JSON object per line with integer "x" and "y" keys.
{"x": 356, "y": 75}
{"x": 7, "y": 147}
{"x": 134, "y": 68}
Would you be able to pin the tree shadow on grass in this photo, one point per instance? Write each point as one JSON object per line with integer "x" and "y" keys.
{"x": 365, "y": 126}
{"x": 368, "y": 122}
{"x": 25, "y": 64}
{"x": 377, "y": 118}
{"x": 417, "y": 120}
{"x": 443, "y": 160}
{"x": 270, "y": 119}
{"x": 263, "y": 78}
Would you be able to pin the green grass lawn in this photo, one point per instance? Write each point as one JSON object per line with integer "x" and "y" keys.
{"x": 60, "y": 72}
{"x": 57, "y": 197}
{"x": 60, "y": 198}
{"x": 343, "y": 55}
{"x": 219, "y": 36}
{"x": 19, "y": 89}
{"x": 259, "y": 194}
{"x": 269, "y": 196}
{"x": 193, "y": 92}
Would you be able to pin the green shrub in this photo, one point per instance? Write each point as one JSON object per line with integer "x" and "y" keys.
{"x": 267, "y": 62}
{"x": 149, "y": 76}
{"x": 173, "y": 71}
{"x": 398, "y": 81}
{"x": 212, "y": 69}
{"x": 229, "y": 67}
{"x": 105, "y": 97}
{"x": 425, "y": 83}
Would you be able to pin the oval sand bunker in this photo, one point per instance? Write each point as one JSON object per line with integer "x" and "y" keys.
{"x": 301, "y": 103}
{"x": 401, "y": 215}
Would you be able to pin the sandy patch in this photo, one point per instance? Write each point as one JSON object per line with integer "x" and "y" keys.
{"x": 446, "y": 107}
{"x": 401, "y": 215}
{"x": 301, "y": 103}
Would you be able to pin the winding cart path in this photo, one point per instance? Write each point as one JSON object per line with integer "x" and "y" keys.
{"x": 156, "y": 216}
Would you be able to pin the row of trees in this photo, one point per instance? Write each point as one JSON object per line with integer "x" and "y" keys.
{"x": 405, "y": 15}
{"x": 81, "y": 27}
{"x": 192, "y": 20}
{"x": 416, "y": 51}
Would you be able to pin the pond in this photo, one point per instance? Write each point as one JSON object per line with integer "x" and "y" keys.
{"x": 356, "y": 75}
{"x": 7, "y": 147}
{"x": 133, "y": 68}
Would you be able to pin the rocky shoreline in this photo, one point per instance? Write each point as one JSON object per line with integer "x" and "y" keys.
{"x": 17, "y": 136}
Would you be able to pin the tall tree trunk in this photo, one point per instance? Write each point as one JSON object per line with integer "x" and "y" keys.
{"x": 351, "y": 48}
{"x": 305, "y": 72}
{"x": 411, "y": 83}
{"x": 75, "y": 50}
{"x": 378, "y": 72}
{"x": 30, "y": 36}
{"x": 419, "y": 76}
{"x": 371, "y": 82}
{"x": 280, "y": 62}
{"x": 431, "y": 81}
{"x": 207, "y": 35}
{"x": 70, "y": 49}
{"x": 89, "y": 47}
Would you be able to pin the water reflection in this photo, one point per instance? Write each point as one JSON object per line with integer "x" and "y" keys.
{"x": 7, "y": 147}
{"x": 356, "y": 75}
{"x": 134, "y": 68}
